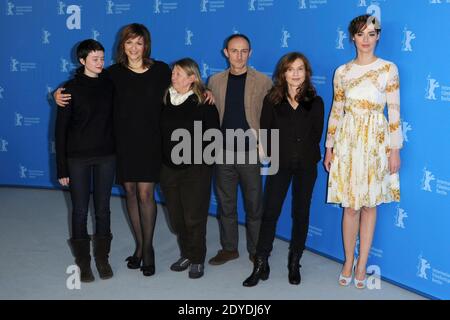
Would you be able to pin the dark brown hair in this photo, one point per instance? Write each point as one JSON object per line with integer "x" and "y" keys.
{"x": 279, "y": 91}
{"x": 133, "y": 31}
{"x": 359, "y": 23}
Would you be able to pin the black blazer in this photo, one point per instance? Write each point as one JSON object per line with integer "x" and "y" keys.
{"x": 300, "y": 130}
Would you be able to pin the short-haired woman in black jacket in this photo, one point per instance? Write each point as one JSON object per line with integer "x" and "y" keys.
{"x": 84, "y": 152}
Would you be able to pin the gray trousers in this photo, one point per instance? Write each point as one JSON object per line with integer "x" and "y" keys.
{"x": 228, "y": 176}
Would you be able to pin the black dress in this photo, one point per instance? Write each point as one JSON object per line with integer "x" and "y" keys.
{"x": 137, "y": 107}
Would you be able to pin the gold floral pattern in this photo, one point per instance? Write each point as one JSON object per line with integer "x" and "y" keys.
{"x": 362, "y": 137}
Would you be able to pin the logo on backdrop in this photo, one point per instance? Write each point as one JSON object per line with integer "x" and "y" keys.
{"x": 164, "y": 7}
{"x": 441, "y": 187}
{"x": 423, "y": 267}
{"x": 188, "y": 38}
{"x": 428, "y": 176}
{"x": 117, "y": 8}
{"x": 14, "y": 64}
{"x": 400, "y": 217}
{"x": 435, "y": 1}
{"x": 405, "y": 128}
{"x": 362, "y": 3}
{"x": 20, "y": 120}
{"x": 408, "y": 36}
{"x": 13, "y": 10}
{"x": 251, "y": 5}
{"x": 285, "y": 35}
{"x": 45, "y": 35}
{"x": 95, "y": 34}
{"x": 49, "y": 93}
{"x": 17, "y": 66}
{"x": 235, "y": 31}
{"x": 3, "y": 145}
{"x": 66, "y": 66}
{"x": 1, "y": 92}
{"x": 302, "y": 4}
{"x": 432, "y": 85}
{"x": 259, "y": 5}
{"x": 25, "y": 173}
{"x": 205, "y": 70}
{"x": 341, "y": 35}
{"x": 74, "y": 20}
{"x": 60, "y": 8}
{"x": 203, "y": 5}
{"x": 22, "y": 171}
{"x": 211, "y": 6}
{"x": 313, "y": 4}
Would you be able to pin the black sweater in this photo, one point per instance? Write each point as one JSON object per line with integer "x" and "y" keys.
{"x": 300, "y": 130}
{"x": 84, "y": 128}
{"x": 183, "y": 117}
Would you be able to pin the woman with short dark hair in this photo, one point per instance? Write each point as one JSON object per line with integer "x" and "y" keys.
{"x": 85, "y": 152}
{"x": 362, "y": 147}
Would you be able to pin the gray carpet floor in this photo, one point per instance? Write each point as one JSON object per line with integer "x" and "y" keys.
{"x": 34, "y": 258}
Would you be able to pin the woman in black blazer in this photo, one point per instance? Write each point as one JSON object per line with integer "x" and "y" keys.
{"x": 293, "y": 108}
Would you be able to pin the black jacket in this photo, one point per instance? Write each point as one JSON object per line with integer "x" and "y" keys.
{"x": 300, "y": 130}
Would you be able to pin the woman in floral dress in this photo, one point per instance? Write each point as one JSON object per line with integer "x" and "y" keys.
{"x": 362, "y": 146}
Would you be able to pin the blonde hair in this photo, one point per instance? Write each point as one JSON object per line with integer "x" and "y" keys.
{"x": 191, "y": 68}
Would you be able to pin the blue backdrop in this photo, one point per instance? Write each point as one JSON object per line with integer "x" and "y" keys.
{"x": 412, "y": 242}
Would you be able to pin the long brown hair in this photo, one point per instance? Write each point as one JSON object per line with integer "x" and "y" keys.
{"x": 133, "y": 31}
{"x": 279, "y": 91}
{"x": 191, "y": 68}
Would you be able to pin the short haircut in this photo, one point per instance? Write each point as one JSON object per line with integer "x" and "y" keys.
{"x": 359, "y": 23}
{"x": 87, "y": 46}
{"x": 235, "y": 36}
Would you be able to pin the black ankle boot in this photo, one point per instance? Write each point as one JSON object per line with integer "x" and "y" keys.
{"x": 102, "y": 246}
{"x": 261, "y": 271}
{"x": 148, "y": 269}
{"x": 294, "y": 268}
{"x": 81, "y": 249}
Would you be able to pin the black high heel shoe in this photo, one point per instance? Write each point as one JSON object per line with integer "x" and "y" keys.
{"x": 148, "y": 271}
{"x": 133, "y": 262}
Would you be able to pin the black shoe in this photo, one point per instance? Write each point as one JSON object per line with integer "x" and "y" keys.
{"x": 196, "y": 270}
{"x": 294, "y": 268}
{"x": 133, "y": 262}
{"x": 261, "y": 271}
{"x": 81, "y": 249}
{"x": 181, "y": 264}
{"x": 148, "y": 271}
{"x": 102, "y": 247}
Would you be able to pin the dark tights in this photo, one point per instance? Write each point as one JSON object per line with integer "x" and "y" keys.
{"x": 141, "y": 208}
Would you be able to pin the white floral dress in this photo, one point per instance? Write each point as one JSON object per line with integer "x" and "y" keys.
{"x": 361, "y": 137}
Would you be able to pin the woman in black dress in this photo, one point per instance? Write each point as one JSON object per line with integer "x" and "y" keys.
{"x": 140, "y": 84}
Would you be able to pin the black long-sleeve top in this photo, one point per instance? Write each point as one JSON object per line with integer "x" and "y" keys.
{"x": 183, "y": 117}
{"x": 84, "y": 128}
{"x": 300, "y": 130}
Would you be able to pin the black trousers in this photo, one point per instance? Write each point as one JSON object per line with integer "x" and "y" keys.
{"x": 276, "y": 187}
{"x": 187, "y": 192}
{"x": 83, "y": 171}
